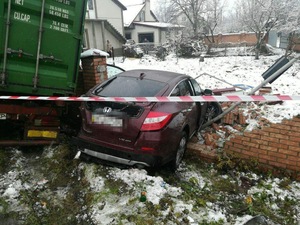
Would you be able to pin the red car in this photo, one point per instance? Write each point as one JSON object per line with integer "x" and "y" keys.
{"x": 142, "y": 134}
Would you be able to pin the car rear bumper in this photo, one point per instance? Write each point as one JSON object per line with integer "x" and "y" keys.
{"x": 117, "y": 156}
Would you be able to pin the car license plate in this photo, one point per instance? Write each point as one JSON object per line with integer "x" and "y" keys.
{"x": 41, "y": 134}
{"x": 107, "y": 120}
{"x": 2, "y": 116}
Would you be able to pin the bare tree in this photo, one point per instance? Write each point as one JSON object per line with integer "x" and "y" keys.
{"x": 165, "y": 12}
{"x": 193, "y": 10}
{"x": 213, "y": 18}
{"x": 260, "y": 16}
{"x": 230, "y": 20}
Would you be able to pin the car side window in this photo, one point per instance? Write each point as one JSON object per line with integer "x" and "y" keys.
{"x": 175, "y": 92}
{"x": 182, "y": 89}
{"x": 196, "y": 87}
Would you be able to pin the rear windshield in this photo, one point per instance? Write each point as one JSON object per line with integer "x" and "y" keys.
{"x": 130, "y": 87}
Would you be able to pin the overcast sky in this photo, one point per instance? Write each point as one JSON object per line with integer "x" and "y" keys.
{"x": 229, "y": 3}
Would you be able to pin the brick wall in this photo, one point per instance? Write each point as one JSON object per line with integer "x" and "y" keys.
{"x": 276, "y": 146}
{"x": 296, "y": 41}
{"x": 91, "y": 76}
{"x": 236, "y": 38}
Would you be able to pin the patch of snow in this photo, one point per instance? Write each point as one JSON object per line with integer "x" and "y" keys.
{"x": 279, "y": 112}
{"x": 155, "y": 187}
{"x": 96, "y": 182}
{"x": 93, "y": 52}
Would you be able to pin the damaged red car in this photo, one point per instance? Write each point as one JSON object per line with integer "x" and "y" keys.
{"x": 142, "y": 134}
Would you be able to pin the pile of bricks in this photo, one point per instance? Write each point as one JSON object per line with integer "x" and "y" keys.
{"x": 265, "y": 90}
{"x": 234, "y": 117}
{"x": 213, "y": 136}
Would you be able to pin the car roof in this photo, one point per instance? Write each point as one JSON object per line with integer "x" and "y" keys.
{"x": 157, "y": 75}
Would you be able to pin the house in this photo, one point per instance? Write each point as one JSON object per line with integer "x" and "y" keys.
{"x": 278, "y": 39}
{"x": 282, "y": 40}
{"x": 141, "y": 25}
{"x": 104, "y": 21}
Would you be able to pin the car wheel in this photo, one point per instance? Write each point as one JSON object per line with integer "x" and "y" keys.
{"x": 180, "y": 151}
{"x": 213, "y": 110}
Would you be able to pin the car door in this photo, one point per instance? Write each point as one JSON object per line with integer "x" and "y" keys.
{"x": 190, "y": 110}
{"x": 202, "y": 105}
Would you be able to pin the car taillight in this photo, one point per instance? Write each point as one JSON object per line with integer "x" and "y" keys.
{"x": 147, "y": 149}
{"x": 156, "y": 121}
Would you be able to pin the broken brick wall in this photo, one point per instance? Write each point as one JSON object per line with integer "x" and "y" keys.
{"x": 274, "y": 146}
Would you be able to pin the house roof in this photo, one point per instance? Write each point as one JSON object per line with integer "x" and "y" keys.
{"x": 159, "y": 24}
{"x": 130, "y": 14}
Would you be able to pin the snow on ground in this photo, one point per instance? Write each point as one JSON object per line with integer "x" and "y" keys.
{"x": 235, "y": 70}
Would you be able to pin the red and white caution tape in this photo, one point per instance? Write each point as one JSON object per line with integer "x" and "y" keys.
{"x": 222, "y": 98}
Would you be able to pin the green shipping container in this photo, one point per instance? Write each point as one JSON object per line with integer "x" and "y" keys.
{"x": 40, "y": 46}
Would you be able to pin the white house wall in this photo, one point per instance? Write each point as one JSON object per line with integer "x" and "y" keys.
{"x": 160, "y": 35}
{"x": 148, "y": 15}
{"x": 94, "y": 36}
{"x": 95, "y": 33}
{"x": 142, "y": 30}
{"x": 107, "y": 10}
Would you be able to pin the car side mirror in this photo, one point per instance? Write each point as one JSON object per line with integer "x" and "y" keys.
{"x": 208, "y": 92}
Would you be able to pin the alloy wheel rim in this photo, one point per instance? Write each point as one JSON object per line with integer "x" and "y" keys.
{"x": 210, "y": 114}
{"x": 181, "y": 150}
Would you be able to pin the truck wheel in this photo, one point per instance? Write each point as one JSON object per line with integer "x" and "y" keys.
{"x": 180, "y": 151}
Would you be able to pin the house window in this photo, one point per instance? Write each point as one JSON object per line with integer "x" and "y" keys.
{"x": 90, "y": 5}
{"x": 142, "y": 16}
{"x": 128, "y": 36}
{"x": 146, "y": 37}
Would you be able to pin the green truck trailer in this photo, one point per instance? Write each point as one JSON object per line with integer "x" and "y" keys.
{"x": 40, "y": 47}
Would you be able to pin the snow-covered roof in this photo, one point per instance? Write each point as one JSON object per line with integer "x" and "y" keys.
{"x": 133, "y": 11}
{"x": 159, "y": 24}
{"x": 130, "y": 14}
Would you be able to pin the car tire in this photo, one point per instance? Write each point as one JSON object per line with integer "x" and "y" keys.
{"x": 213, "y": 110}
{"x": 180, "y": 151}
